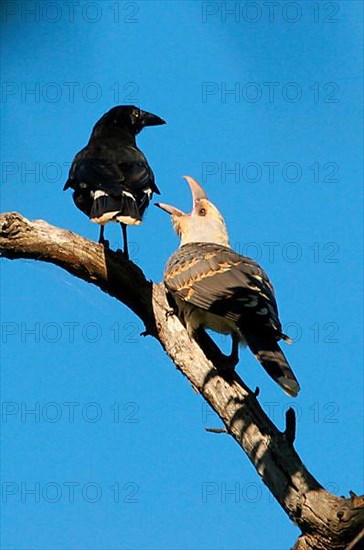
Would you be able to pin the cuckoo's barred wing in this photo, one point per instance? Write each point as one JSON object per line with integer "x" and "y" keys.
{"x": 217, "y": 279}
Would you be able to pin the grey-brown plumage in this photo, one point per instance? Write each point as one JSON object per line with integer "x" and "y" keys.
{"x": 214, "y": 287}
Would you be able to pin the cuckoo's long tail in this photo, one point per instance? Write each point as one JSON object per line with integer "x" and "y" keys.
{"x": 272, "y": 358}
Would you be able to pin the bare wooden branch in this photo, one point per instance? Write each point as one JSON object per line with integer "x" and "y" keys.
{"x": 325, "y": 520}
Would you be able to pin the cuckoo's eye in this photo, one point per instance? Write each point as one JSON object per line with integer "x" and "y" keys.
{"x": 202, "y": 212}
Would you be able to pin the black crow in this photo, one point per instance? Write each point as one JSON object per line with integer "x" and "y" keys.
{"x": 111, "y": 178}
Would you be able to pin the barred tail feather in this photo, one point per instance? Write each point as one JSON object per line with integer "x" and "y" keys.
{"x": 106, "y": 208}
{"x": 273, "y": 360}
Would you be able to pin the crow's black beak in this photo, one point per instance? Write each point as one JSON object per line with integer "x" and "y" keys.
{"x": 151, "y": 120}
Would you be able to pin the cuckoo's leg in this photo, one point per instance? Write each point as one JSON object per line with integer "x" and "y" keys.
{"x": 224, "y": 363}
{"x": 234, "y": 356}
{"x": 125, "y": 240}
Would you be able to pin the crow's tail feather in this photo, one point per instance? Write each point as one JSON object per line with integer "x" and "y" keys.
{"x": 106, "y": 208}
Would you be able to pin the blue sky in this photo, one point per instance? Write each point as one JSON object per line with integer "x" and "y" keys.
{"x": 116, "y": 450}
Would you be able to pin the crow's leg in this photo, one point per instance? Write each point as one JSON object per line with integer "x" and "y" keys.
{"x": 125, "y": 240}
{"x": 102, "y": 239}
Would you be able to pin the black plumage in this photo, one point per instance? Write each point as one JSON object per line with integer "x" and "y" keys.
{"x": 111, "y": 177}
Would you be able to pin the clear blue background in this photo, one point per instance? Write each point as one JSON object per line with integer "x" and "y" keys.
{"x": 160, "y": 55}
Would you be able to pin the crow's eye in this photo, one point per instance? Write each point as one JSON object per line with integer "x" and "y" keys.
{"x": 202, "y": 212}
{"x": 136, "y": 114}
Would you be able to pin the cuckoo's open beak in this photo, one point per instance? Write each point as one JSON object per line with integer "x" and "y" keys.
{"x": 169, "y": 209}
{"x": 197, "y": 192}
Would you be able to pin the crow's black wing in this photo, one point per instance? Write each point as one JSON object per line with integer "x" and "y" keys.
{"x": 96, "y": 173}
{"x": 120, "y": 171}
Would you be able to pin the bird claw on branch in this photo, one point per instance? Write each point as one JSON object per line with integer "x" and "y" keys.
{"x": 105, "y": 243}
{"x": 170, "y": 313}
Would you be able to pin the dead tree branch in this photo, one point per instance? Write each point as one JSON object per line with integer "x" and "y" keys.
{"x": 325, "y": 520}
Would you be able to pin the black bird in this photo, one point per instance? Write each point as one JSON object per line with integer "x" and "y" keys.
{"x": 111, "y": 178}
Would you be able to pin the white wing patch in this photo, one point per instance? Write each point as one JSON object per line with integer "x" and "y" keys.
{"x": 127, "y": 194}
{"x": 99, "y": 194}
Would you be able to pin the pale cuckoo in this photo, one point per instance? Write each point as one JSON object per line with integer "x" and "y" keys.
{"x": 216, "y": 288}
